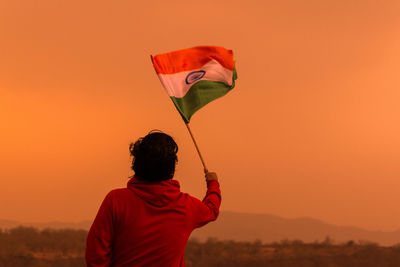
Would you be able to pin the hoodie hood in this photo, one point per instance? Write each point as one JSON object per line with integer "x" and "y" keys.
{"x": 156, "y": 193}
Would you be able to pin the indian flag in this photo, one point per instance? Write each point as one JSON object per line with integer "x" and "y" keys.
{"x": 195, "y": 76}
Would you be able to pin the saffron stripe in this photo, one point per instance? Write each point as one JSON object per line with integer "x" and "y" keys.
{"x": 192, "y": 58}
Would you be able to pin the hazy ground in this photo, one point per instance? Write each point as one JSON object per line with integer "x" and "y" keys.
{"x": 65, "y": 247}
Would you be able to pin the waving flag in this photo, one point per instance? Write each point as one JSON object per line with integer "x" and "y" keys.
{"x": 195, "y": 76}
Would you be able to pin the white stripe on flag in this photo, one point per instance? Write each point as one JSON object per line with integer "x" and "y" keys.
{"x": 176, "y": 84}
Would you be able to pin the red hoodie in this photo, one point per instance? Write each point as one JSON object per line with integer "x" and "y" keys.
{"x": 148, "y": 224}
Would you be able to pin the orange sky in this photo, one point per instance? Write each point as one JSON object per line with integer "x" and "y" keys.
{"x": 311, "y": 129}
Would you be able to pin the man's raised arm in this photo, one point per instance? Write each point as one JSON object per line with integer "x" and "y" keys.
{"x": 208, "y": 209}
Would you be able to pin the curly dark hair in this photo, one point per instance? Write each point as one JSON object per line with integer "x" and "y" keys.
{"x": 154, "y": 156}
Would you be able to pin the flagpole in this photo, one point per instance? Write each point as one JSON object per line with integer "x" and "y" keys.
{"x": 197, "y": 148}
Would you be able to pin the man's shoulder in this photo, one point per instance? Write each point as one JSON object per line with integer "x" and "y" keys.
{"x": 189, "y": 198}
{"x": 118, "y": 192}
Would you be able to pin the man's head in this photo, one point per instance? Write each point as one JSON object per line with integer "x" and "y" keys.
{"x": 154, "y": 156}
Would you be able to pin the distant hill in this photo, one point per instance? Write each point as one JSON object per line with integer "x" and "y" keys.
{"x": 85, "y": 225}
{"x": 270, "y": 228}
{"x": 249, "y": 227}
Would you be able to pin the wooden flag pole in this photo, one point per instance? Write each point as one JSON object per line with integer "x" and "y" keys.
{"x": 197, "y": 148}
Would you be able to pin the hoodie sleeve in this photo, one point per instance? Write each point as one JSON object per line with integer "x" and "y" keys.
{"x": 208, "y": 209}
{"x": 100, "y": 236}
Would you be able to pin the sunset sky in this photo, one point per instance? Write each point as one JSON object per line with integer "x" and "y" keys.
{"x": 312, "y": 128}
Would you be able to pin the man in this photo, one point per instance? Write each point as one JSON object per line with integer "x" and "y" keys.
{"x": 149, "y": 222}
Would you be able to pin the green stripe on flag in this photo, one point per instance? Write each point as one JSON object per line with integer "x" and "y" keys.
{"x": 200, "y": 94}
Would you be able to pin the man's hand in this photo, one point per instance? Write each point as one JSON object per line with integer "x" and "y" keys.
{"x": 210, "y": 176}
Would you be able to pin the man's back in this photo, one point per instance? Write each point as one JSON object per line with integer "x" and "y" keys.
{"x": 148, "y": 224}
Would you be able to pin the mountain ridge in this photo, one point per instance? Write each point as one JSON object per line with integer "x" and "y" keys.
{"x": 250, "y": 227}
